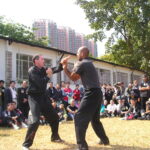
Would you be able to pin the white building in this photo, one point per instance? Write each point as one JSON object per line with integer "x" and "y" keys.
{"x": 16, "y": 58}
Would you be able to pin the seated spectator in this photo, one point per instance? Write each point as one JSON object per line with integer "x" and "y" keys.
{"x": 146, "y": 115}
{"x": 118, "y": 107}
{"x": 72, "y": 109}
{"x": 54, "y": 104}
{"x": 121, "y": 111}
{"x": 2, "y": 120}
{"x": 19, "y": 114}
{"x": 112, "y": 109}
{"x": 78, "y": 104}
{"x": 43, "y": 120}
{"x": 134, "y": 110}
{"x": 11, "y": 117}
{"x": 62, "y": 113}
{"x": 103, "y": 110}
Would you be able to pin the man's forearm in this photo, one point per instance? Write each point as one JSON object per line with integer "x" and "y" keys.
{"x": 68, "y": 73}
{"x": 57, "y": 69}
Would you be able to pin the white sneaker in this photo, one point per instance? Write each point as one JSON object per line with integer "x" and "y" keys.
{"x": 24, "y": 125}
{"x": 15, "y": 127}
{"x": 25, "y": 148}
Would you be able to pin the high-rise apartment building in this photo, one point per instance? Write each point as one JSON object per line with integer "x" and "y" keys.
{"x": 62, "y": 37}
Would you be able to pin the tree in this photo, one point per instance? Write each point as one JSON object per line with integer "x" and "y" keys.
{"x": 20, "y": 32}
{"x": 129, "y": 22}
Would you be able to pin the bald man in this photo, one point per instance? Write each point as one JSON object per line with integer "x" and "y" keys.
{"x": 91, "y": 102}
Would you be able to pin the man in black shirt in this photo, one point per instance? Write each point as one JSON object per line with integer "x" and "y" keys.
{"x": 38, "y": 100}
{"x": 2, "y": 89}
{"x": 51, "y": 92}
{"x": 22, "y": 97}
{"x": 90, "y": 104}
{"x": 144, "y": 92}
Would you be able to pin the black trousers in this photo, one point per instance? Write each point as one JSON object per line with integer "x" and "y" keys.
{"x": 40, "y": 104}
{"x": 25, "y": 110}
{"x": 143, "y": 103}
{"x": 89, "y": 110}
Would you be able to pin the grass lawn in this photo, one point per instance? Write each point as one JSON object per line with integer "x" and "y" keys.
{"x": 123, "y": 135}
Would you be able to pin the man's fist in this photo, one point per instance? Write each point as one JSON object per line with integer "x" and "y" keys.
{"x": 65, "y": 60}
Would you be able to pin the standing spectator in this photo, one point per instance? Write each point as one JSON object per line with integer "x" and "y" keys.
{"x": 23, "y": 104}
{"x": 67, "y": 93}
{"x": 81, "y": 92}
{"x": 144, "y": 92}
{"x": 63, "y": 85}
{"x": 2, "y": 89}
{"x": 103, "y": 88}
{"x": 59, "y": 95}
{"x": 51, "y": 92}
{"x": 76, "y": 94}
{"x": 128, "y": 91}
{"x": 10, "y": 93}
{"x": 72, "y": 109}
{"x": 122, "y": 87}
{"x": 136, "y": 90}
{"x": 109, "y": 93}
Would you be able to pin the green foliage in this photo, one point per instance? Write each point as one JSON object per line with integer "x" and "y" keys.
{"x": 129, "y": 23}
{"x": 19, "y": 32}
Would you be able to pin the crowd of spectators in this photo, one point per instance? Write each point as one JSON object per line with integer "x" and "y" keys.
{"x": 132, "y": 102}
{"x": 129, "y": 103}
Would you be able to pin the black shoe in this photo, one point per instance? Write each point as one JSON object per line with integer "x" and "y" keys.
{"x": 82, "y": 147}
{"x": 105, "y": 142}
{"x": 57, "y": 140}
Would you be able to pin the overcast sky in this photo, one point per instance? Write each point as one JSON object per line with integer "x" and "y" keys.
{"x": 63, "y": 12}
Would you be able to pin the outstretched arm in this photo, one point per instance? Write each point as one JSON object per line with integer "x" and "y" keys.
{"x": 73, "y": 76}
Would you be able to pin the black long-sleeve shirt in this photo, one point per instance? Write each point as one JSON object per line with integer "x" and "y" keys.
{"x": 38, "y": 79}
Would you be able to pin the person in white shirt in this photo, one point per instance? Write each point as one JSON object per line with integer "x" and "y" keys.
{"x": 112, "y": 108}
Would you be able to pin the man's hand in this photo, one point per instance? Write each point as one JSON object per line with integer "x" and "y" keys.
{"x": 49, "y": 72}
{"x": 65, "y": 60}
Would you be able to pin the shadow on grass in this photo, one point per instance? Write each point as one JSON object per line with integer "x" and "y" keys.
{"x": 111, "y": 147}
{"x": 4, "y": 135}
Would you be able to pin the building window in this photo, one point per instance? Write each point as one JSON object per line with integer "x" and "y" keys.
{"x": 137, "y": 77}
{"x": 122, "y": 77}
{"x": 104, "y": 76}
{"x": 23, "y": 63}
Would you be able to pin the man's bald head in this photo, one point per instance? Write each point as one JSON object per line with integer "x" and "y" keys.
{"x": 83, "y": 52}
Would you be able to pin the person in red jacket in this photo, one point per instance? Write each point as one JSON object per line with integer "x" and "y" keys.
{"x": 67, "y": 93}
{"x": 77, "y": 95}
